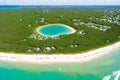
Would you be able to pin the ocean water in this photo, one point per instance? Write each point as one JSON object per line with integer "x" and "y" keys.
{"x": 60, "y": 6}
{"x": 54, "y": 30}
{"x": 104, "y": 68}
{"x": 10, "y": 7}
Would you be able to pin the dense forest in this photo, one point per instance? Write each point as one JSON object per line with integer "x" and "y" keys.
{"x": 95, "y": 27}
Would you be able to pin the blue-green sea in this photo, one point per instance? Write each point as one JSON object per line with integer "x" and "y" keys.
{"x": 10, "y": 7}
{"x": 104, "y": 68}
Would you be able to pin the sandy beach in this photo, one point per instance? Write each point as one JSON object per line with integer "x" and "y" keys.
{"x": 61, "y": 58}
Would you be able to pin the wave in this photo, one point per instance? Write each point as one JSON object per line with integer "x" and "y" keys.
{"x": 114, "y": 76}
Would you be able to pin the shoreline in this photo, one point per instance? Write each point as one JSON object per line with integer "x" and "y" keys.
{"x": 60, "y": 58}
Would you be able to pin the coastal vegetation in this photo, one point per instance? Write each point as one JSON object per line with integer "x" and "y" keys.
{"x": 95, "y": 27}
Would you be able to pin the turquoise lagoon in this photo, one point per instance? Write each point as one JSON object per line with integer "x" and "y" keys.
{"x": 53, "y": 30}
{"x": 104, "y": 68}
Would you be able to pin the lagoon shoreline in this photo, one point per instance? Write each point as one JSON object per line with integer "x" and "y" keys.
{"x": 60, "y": 58}
{"x": 72, "y": 29}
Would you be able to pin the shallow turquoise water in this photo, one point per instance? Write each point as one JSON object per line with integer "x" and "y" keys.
{"x": 105, "y": 67}
{"x": 54, "y": 30}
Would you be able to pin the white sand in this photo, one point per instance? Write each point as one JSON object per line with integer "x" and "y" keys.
{"x": 61, "y": 58}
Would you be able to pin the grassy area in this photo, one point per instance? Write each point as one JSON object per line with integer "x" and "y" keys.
{"x": 17, "y": 25}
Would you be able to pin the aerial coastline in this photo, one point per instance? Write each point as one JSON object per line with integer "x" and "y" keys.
{"x": 90, "y": 30}
{"x": 59, "y": 58}
{"x": 60, "y": 42}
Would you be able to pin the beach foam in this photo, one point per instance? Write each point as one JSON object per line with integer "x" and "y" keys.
{"x": 115, "y": 75}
